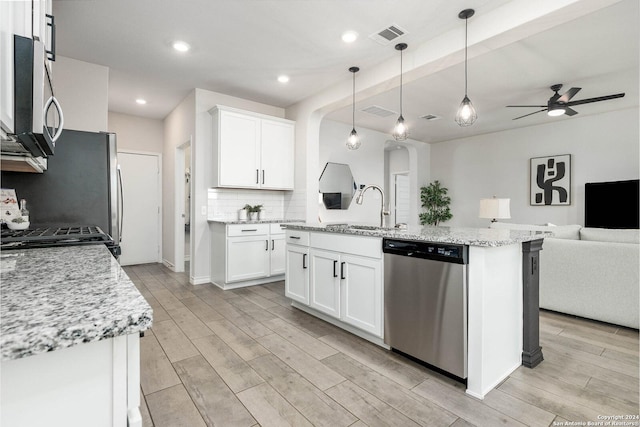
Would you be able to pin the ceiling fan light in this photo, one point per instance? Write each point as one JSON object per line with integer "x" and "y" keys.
{"x": 400, "y": 130}
{"x": 556, "y": 111}
{"x": 353, "y": 142}
{"x": 466, "y": 115}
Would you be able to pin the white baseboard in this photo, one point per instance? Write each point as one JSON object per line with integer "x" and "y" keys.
{"x": 201, "y": 280}
{"x": 236, "y": 285}
{"x": 169, "y": 265}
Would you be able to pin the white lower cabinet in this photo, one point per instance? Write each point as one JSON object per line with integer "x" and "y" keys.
{"x": 247, "y": 258}
{"x": 246, "y": 254}
{"x": 345, "y": 283}
{"x": 296, "y": 279}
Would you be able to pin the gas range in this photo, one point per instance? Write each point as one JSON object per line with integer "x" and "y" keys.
{"x": 44, "y": 237}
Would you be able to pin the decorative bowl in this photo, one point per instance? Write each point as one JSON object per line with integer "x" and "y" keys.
{"x": 18, "y": 225}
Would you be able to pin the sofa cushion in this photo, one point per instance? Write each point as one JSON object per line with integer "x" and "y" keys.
{"x": 610, "y": 235}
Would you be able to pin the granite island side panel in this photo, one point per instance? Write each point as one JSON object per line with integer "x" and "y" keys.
{"x": 55, "y": 298}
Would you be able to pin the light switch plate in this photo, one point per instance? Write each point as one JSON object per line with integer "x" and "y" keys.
{"x": 203, "y": 210}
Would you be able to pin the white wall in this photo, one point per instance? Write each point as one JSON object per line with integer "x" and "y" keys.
{"x": 368, "y": 167}
{"x": 603, "y": 147}
{"x": 83, "y": 91}
{"x": 137, "y": 133}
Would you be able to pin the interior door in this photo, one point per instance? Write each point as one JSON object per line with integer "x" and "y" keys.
{"x": 141, "y": 197}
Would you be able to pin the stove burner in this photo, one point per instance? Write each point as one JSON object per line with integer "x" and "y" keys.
{"x": 39, "y": 237}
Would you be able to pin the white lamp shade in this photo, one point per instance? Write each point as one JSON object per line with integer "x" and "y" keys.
{"x": 495, "y": 208}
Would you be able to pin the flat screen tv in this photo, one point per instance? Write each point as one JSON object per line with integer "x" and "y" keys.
{"x": 612, "y": 204}
{"x": 332, "y": 200}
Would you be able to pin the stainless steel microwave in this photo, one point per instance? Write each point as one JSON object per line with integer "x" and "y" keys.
{"x": 38, "y": 119}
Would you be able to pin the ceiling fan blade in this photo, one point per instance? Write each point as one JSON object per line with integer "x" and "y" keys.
{"x": 597, "y": 99}
{"x": 528, "y": 106}
{"x": 570, "y": 111}
{"x": 569, "y": 94}
{"x": 535, "y": 112}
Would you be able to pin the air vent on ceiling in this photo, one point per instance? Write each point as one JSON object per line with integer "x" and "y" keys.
{"x": 388, "y": 34}
{"x": 430, "y": 117}
{"x": 378, "y": 111}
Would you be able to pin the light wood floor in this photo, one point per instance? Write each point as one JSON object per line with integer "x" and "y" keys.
{"x": 246, "y": 358}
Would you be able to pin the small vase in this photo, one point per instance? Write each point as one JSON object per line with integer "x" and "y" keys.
{"x": 242, "y": 215}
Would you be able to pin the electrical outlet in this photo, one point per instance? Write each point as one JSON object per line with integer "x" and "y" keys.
{"x": 203, "y": 210}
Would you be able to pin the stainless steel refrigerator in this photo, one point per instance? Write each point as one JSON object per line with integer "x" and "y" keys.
{"x": 81, "y": 185}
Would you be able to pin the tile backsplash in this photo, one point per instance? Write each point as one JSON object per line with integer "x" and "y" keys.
{"x": 224, "y": 203}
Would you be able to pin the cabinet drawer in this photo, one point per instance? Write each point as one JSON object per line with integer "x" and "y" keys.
{"x": 297, "y": 237}
{"x": 247, "y": 229}
{"x": 276, "y": 229}
{"x": 356, "y": 245}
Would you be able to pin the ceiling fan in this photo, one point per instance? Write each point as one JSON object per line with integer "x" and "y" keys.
{"x": 561, "y": 104}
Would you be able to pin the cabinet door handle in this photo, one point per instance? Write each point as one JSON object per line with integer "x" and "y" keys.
{"x": 266, "y": 246}
{"x": 263, "y": 176}
{"x": 257, "y": 176}
{"x": 249, "y": 229}
{"x": 304, "y": 260}
{"x": 273, "y": 245}
{"x": 335, "y": 264}
{"x": 294, "y": 237}
{"x": 342, "y": 271}
{"x": 51, "y": 54}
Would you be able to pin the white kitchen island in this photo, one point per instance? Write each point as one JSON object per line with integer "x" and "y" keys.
{"x": 502, "y": 317}
{"x": 69, "y": 339}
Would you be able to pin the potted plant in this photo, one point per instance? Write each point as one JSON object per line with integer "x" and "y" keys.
{"x": 253, "y": 211}
{"x": 436, "y": 202}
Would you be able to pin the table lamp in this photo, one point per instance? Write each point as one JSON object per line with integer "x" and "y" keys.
{"x": 495, "y": 208}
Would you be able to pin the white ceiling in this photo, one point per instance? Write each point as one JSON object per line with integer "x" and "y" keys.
{"x": 241, "y": 46}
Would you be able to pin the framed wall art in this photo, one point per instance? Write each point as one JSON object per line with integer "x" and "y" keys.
{"x": 550, "y": 180}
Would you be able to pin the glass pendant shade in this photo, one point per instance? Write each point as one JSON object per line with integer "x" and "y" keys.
{"x": 400, "y": 130}
{"x": 466, "y": 115}
{"x": 353, "y": 141}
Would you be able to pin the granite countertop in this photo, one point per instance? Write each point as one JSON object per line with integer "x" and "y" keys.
{"x": 257, "y": 221}
{"x": 484, "y": 237}
{"x": 54, "y": 298}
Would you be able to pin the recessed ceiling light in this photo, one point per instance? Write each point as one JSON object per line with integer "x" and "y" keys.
{"x": 283, "y": 79}
{"x": 349, "y": 36}
{"x": 181, "y": 46}
{"x": 141, "y": 101}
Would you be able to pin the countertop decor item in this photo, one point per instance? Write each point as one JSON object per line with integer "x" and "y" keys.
{"x": 253, "y": 211}
{"x": 466, "y": 115}
{"x": 436, "y": 202}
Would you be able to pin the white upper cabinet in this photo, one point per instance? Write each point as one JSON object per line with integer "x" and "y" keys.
{"x": 252, "y": 150}
{"x": 277, "y": 154}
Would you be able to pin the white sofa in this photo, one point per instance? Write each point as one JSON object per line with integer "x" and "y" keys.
{"x": 589, "y": 272}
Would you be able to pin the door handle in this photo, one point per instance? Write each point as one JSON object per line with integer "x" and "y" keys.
{"x": 51, "y": 54}
{"x": 266, "y": 246}
{"x": 263, "y": 176}
{"x": 257, "y": 176}
{"x": 342, "y": 271}
{"x": 273, "y": 245}
{"x": 335, "y": 264}
{"x": 294, "y": 237}
{"x": 304, "y": 260}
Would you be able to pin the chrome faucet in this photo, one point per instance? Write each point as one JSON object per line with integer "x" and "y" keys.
{"x": 383, "y": 211}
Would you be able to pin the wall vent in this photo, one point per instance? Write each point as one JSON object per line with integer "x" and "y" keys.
{"x": 388, "y": 34}
{"x": 430, "y": 117}
{"x": 376, "y": 110}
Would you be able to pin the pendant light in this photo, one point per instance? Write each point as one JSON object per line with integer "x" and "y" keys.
{"x": 353, "y": 142}
{"x": 466, "y": 114}
{"x": 400, "y": 130}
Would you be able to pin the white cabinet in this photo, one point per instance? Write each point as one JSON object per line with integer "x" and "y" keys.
{"x": 246, "y": 254}
{"x": 247, "y": 258}
{"x": 296, "y": 281}
{"x": 325, "y": 282}
{"x": 343, "y": 277}
{"x": 252, "y": 150}
{"x": 276, "y": 153}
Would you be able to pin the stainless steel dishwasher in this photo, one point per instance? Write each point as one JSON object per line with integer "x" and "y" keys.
{"x": 425, "y": 302}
